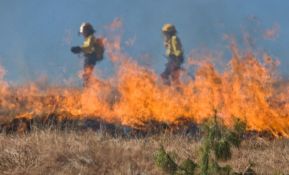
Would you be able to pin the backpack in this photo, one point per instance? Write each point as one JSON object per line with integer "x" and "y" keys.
{"x": 99, "y": 48}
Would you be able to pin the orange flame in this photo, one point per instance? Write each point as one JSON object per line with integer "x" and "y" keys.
{"x": 248, "y": 89}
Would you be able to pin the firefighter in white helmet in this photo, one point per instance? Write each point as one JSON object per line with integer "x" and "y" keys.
{"x": 174, "y": 54}
{"x": 92, "y": 49}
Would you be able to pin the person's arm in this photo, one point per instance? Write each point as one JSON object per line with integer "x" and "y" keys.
{"x": 86, "y": 48}
{"x": 75, "y": 49}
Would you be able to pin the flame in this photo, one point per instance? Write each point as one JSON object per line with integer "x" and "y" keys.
{"x": 248, "y": 89}
{"x": 272, "y": 33}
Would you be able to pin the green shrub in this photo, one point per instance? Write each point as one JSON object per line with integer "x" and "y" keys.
{"x": 164, "y": 161}
{"x": 222, "y": 150}
{"x": 187, "y": 167}
{"x": 216, "y": 146}
{"x": 219, "y": 139}
{"x": 168, "y": 165}
{"x": 234, "y": 139}
{"x": 239, "y": 126}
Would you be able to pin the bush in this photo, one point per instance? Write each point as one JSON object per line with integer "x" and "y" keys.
{"x": 164, "y": 161}
{"x": 187, "y": 167}
{"x": 219, "y": 140}
{"x": 168, "y": 165}
{"x": 222, "y": 150}
{"x": 216, "y": 146}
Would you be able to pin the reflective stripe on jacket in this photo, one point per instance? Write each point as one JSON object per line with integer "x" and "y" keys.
{"x": 174, "y": 47}
{"x": 92, "y": 45}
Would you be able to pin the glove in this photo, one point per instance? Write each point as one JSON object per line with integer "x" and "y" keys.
{"x": 75, "y": 49}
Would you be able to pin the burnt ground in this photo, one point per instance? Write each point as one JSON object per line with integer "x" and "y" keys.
{"x": 64, "y": 122}
{"x": 56, "y": 121}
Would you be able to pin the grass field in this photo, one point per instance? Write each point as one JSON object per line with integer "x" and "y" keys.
{"x": 88, "y": 152}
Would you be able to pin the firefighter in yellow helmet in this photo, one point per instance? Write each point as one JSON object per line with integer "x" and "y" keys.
{"x": 174, "y": 54}
{"x": 92, "y": 49}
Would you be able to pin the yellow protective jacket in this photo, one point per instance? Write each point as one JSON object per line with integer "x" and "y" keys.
{"x": 174, "y": 47}
{"x": 92, "y": 45}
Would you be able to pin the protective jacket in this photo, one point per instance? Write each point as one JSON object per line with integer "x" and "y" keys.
{"x": 93, "y": 46}
{"x": 173, "y": 47}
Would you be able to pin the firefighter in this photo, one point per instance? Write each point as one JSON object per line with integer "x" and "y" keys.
{"x": 174, "y": 54}
{"x": 92, "y": 49}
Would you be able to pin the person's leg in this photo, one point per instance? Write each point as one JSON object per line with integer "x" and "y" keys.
{"x": 89, "y": 64}
{"x": 176, "y": 76}
{"x": 166, "y": 74}
{"x": 176, "y": 70}
{"x": 87, "y": 72}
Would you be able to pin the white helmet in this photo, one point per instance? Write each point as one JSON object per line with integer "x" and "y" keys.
{"x": 86, "y": 27}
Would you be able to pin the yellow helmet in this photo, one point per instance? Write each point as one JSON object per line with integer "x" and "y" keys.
{"x": 169, "y": 28}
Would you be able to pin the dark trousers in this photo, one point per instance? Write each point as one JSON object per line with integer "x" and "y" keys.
{"x": 172, "y": 70}
{"x": 89, "y": 63}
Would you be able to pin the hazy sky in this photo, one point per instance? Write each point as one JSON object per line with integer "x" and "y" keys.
{"x": 35, "y": 34}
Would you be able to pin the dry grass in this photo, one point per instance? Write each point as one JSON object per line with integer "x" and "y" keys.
{"x": 75, "y": 152}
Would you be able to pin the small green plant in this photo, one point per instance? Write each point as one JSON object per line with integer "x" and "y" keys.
{"x": 217, "y": 143}
{"x": 164, "y": 161}
{"x": 168, "y": 165}
{"x": 216, "y": 146}
{"x": 187, "y": 167}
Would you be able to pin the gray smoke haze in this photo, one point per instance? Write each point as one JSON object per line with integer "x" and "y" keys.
{"x": 36, "y": 35}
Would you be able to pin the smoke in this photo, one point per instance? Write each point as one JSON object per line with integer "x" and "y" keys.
{"x": 272, "y": 33}
{"x": 2, "y": 73}
{"x": 246, "y": 86}
{"x": 67, "y": 40}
